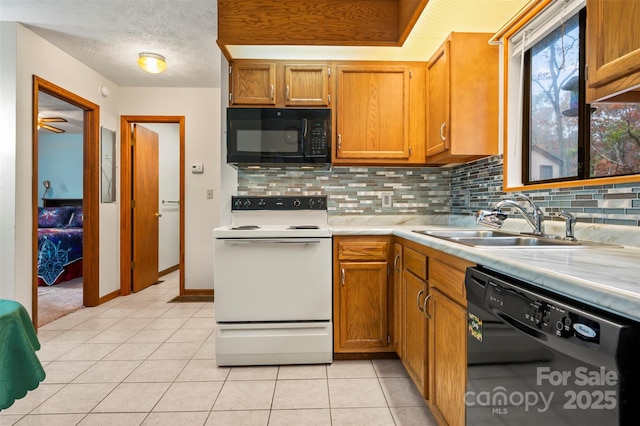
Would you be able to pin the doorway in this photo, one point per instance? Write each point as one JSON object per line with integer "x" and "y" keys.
{"x": 168, "y": 207}
{"x": 88, "y": 203}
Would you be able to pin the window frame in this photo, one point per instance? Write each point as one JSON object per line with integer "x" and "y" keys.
{"x": 533, "y": 18}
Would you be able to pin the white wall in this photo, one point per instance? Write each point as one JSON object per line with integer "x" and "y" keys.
{"x": 201, "y": 108}
{"x": 25, "y": 54}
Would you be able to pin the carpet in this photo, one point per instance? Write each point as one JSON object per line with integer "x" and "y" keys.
{"x": 59, "y": 300}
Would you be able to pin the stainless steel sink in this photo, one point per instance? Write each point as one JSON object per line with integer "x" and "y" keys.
{"x": 499, "y": 239}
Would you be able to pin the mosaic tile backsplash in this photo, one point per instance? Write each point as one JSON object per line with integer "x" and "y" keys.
{"x": 460, "y": 190}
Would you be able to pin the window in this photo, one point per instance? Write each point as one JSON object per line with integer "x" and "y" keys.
{"x": 563, "y": 137}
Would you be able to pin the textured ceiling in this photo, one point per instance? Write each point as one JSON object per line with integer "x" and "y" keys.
{"x": 108, "y": 35}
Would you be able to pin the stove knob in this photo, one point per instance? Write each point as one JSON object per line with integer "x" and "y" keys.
{"x": 311, "y": 203}
{"x": 296, "y": 203}
{"x": 262, "y": 202}
{"x": 237, "y": 203}
{"x": 247, "y": 203}
{"x": 320, "y": 202}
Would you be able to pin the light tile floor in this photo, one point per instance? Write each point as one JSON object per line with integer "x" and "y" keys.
{"x": 138, "y": 360}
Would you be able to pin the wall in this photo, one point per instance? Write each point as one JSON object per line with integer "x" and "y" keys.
{"x": 358, "y": 190}
{"x": 60, "y": 162}
{"x": 459, "y": 191}
{"x": 24, "y": 54}
{"x": 481, "y": 183}
{"x": 201, "y": 108}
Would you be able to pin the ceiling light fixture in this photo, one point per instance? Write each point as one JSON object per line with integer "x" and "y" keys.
{"x": 152, "y": 63}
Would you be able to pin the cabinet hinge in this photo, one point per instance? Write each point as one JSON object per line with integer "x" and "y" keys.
{"x": 410, "y": 73}
{"x": 133, "y": 203}
{"x": 133, "y": 264}
{"x": 328, "y": 99}
{"x": 230, "y": 69}
{"x": 230, "y": 97}
{"x": 388, "y": 270}
{"x": 329, "y": 72}
{"x": 388, "y": 339}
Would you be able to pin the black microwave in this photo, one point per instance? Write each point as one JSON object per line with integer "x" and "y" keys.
{"x": 285, "y": 136}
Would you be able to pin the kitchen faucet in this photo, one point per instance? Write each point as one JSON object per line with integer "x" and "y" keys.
{"x": 495, "y": 218}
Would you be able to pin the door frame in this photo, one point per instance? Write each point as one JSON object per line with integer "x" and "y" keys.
{"x": 126, "y": 182}
{"x": 90, "y": 192}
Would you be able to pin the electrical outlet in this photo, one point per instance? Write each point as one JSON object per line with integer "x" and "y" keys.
{"x": 210, "y": 194}
{"x": 386, "y": 200}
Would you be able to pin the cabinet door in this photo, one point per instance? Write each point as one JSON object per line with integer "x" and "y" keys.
{"x": 613, "y": 47}
{"x": 398, "y": 306}
{"x": 415, "y": 333}
{"x": 253, "y": 83}
{"x": 306, "y": 85}
{"x": 373, "y": 112}
{"x": 449, "y": 357}
{"x": 362, "y": 307}
{"x": 438, "y": 102}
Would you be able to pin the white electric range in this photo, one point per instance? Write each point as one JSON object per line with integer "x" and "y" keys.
{"x": 272, "y": 282}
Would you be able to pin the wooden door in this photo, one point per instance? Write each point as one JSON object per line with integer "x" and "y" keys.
{"x": 306, "y": 85}
{"x": 438, "y": 102}
{"x": 362, "y": 299}
{"x": 415, "y": 333}
{"x": 449, "y": 349}
{"x": 145, "y": 207}
{"x": 253, "y": 83}
{"x": 373, "y": 112}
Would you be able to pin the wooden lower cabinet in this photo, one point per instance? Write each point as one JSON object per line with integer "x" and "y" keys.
{"x": 448, "y": 357}
{"x": 361, "y": 294}
{"x": 415, "y": 332}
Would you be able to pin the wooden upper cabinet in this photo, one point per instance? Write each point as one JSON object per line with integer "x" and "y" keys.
{"x": 462, "y": 100}
{"x": 255, "y": 83}
{"x": 373, "y": 110}
{"x": 613, "y": 49}
{"x": 306, "y": 85}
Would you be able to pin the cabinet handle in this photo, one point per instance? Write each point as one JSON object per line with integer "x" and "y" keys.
{"x": 287, "y": 92}
{"x": 339, "y": 141}
{"x": 418, "y": 300}
{"x": 342, "y": 276}
{"x": 424, "y": 307}
{"x": 395, "y": 263}
{"x": 271, "y": 92}
{"x": 442, "y": 132}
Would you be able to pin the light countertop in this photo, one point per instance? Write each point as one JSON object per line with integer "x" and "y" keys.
{"x": 605, "y": 277}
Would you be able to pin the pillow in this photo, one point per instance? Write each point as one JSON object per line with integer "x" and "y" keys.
{"x": 77, "y": 218}
{"x": 54, "y": 217}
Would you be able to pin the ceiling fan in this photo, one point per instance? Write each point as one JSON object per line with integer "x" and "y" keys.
{"x": 42, "y": 123}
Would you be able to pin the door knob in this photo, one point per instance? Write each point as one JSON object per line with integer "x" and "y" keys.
{"x": 158, "y": 214}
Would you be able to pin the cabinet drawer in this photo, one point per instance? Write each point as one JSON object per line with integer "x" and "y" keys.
{"x": 448, "y": 280}
{"x": 415, "y": 262}
{"x": 363, "y": 250}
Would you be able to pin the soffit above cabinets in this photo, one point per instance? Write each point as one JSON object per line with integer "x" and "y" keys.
{"x": 385, "y": 30}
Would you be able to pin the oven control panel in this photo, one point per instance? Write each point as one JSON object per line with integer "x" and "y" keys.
{"x": 316, "y": 202}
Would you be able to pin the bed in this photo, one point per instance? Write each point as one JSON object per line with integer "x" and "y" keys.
{"x": 59, "y": 243}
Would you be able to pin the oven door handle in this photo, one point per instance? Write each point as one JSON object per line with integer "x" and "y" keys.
{"x": 272, "y": 241}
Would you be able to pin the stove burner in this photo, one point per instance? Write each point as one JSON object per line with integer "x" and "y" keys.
{"x": 304, "y": 227}
{"x": 246, "y": 228}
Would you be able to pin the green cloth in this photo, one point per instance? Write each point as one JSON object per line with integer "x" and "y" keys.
{"x": 20, "y": 368}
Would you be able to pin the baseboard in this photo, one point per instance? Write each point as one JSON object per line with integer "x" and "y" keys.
{"x": 108, "y": 297}
{"x": 169, "y": 270}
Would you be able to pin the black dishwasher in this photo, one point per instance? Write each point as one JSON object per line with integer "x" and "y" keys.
{"x": 537, "y": 358}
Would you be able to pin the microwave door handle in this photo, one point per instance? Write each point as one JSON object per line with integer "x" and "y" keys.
{"x": 304, "y": 128}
